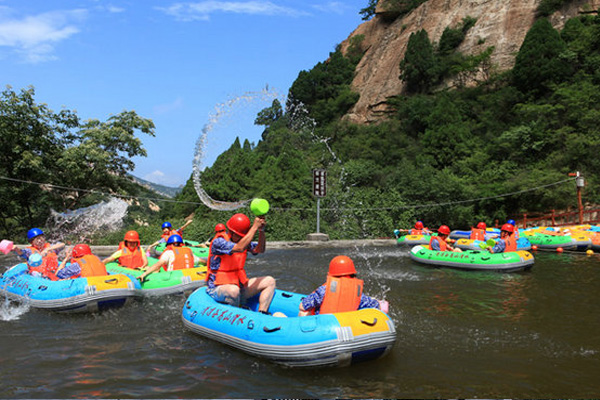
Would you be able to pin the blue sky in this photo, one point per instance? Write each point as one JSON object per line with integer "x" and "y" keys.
{"x": 177, "y": 63}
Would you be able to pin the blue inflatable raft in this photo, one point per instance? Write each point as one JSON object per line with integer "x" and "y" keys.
{"x": 70, "y": 296}
{"x": 313, "y": 341}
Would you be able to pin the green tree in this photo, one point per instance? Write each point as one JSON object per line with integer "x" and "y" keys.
{"x": 539, "y": 63}
{"x": 419, "y": 66}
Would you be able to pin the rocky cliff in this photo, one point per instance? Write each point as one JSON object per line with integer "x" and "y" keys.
{"x": 500, "y": 23}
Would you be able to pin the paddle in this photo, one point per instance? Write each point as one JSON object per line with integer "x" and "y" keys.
{"x": 260, "y": 207}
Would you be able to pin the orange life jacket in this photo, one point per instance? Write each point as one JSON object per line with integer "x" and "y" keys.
{"x": 171, "y": 232}
{"x": 511, "y": 243}
{"x": 342, "y": 294}
{"x": 231, "y": 269}
{"x": 477, "y": 234}
{"x": 49, "y": 264}
{"x": 223, "y": 235}
{"x": 415, "y": 232}
{"x": 443, "y": 245}
{"x": 184, "y": 258}
{"x": 90, "y": 265}
{"x": 131, "y": 259}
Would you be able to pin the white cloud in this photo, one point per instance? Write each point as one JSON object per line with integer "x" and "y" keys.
{"x": 161, "y": 178}
{"x": 336, "y": 7}
{"x": 202, "y": 10}
{"x": 34, "y": 36}
{"x": 166, "y": 108}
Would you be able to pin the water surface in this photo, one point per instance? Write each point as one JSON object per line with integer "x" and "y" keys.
{"x": 461, "y": 334}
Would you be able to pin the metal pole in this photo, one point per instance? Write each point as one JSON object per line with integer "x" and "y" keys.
{"x": 318, "y": 215}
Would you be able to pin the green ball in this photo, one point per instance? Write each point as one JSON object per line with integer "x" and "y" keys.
{"x": 259, "y": 207}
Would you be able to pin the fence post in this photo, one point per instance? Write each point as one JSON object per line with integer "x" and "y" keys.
{"x": 525, "y": 221}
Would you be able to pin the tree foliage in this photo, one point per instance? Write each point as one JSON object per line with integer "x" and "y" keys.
{"x": 43, "y": 146}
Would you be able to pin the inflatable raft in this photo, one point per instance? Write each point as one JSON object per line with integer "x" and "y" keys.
{"x": 413, "y": 240}
{"x": 163, "y": 282}
{"x": 313, "y": 341}
{"x": 69, "y": 296}
{"x": 469, "y": 244}
{"x": 549, "y": 241}
{"x": 474, "y": 260}
{"x": 201, "y": 252}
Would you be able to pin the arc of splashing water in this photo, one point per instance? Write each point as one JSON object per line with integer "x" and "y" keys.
{"x": 222, "y": 110}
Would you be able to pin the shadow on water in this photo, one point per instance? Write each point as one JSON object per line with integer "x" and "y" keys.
{"x": 461, "y": 334}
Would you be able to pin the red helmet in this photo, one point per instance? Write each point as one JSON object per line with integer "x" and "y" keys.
{"x": 81, "y": 250}
{"x": 481, "y": 225}
{"x": 220, "y": 227}
{"x": 444, "y": 230}
{"x": 341, "y": 266}
{"x": 418, "y": 225}
{"x": 508, "y": 228}
{"x": 132, "y": 236}
{"x": 239, "y": 224}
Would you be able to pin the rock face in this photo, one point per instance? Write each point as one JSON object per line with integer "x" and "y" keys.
{"x": 500, "y": 23}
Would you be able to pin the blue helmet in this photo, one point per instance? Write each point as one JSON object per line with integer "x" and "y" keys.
{"x": 33, "y": 233}
{"x": 166, "y": 225}
{"x": 174, "y": 239}
{"x": 511, "y": 221}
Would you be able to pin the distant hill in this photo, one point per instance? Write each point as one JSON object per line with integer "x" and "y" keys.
{"x": 167, "y": 191}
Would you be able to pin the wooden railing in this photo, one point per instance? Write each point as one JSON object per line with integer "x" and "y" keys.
{"x": 590, "y": 216}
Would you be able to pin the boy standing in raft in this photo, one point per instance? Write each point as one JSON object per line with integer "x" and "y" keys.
{"x": 438, "y": 243}
{"x": 226, "y": 279}
{"x": 83, "y": 264}
{"x": 342, "y": 292}
{"x": 506, "y": 242}
{"x": 49, "y": 253}
{"x": 130, "y": 253}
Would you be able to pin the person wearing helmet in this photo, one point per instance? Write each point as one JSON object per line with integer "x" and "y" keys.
{"x": 176, "y": 256}
{"x": 506, "y": 242}
{"x": 479, "y": 233}
{"x": 515, "y": 234}
{"x": 226, "y": 280}
{"x": 168, "y": 231}
{"x": 419, "y": 229}
{"x": 130, "y": 253}
{"x": 439, "y": 242}
{"x": 38, "y": 245}
{"x": 82, "y": 264}
{"x": 342, "y": 291}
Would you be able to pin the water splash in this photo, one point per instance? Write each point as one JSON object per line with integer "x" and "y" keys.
{"x": 223, "y": 110}
{"x": 82, "y": 223}
{"x": 10, "y": 311}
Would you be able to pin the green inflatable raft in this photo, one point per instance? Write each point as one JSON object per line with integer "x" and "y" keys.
{"x": 199, "y": 251}
{"x": 413, "y": 240}
{"x": 544, "y": 241}
{"x": 163, "y": 282}
{"x": 473, "y": 259}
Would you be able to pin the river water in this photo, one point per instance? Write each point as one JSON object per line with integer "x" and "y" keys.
{"x": 461, "y": 334}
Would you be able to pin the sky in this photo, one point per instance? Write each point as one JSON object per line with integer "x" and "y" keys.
{"x": 184, "y": 65}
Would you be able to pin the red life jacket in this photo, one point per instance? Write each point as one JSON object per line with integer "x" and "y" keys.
{"x": 415, "y": 232}
{"x": 49, "y": 264}
{"x": 231, "y": 269}
{"x": 477, "y": 234}
{"x": 184, "y": 258}
{"x": 442, "y": 242}
{"x": 511, "y": 243}
{"x": 342, "y": 294}
{"x": 131, "y": 259}
{"x": 90, "y": 265}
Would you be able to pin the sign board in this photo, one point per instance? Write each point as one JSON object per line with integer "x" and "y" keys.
{"x": 320, "y": 182}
